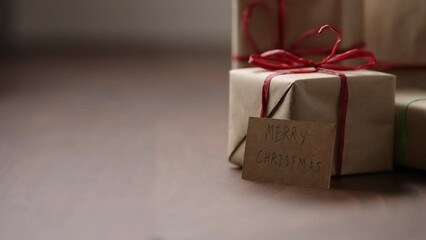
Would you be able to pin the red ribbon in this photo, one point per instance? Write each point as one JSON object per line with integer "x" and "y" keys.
{"x": 281, "y": 21}
{"x": 284, "y": 62}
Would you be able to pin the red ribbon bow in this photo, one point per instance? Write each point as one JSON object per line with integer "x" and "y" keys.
{"x": 281, "y": 6}
{"x": 279, "y": 59}
{"x": 284, "y": 62}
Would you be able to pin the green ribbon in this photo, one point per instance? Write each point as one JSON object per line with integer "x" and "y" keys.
{"x": 403, "y": 126}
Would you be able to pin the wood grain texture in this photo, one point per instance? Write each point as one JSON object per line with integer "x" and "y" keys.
{"x": 119, "y": 147}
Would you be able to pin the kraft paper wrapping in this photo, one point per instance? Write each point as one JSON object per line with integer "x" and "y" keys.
{"x": 316, "y": 97}
{"x": 301, "y": 15}
{"x": 416, "y": 128}
{"x": 395, "y": 30}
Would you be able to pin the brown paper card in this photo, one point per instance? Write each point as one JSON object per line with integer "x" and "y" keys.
{"x": 289, "y": 152}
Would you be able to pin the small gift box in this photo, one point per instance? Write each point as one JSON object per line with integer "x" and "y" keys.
{"x": 361, "y": 102}
{"x": 410, "y": 128}
{"x": 395, "y": 30}
{"x": 260, "y": 25}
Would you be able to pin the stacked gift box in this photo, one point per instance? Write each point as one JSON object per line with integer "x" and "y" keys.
{"x": 396, "y": 34}
{"x": 410, "y": 127}
{"x": 384, "y": 111}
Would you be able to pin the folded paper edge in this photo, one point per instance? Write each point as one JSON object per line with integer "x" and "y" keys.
{"x": 270, "y": 115}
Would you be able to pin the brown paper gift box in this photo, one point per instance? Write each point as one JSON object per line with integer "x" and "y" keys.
{"x": 300, "y": 16}
{"x": 415, "y": 156}
{"x": 395, "y": 30}
{"x": 316, "y": 97}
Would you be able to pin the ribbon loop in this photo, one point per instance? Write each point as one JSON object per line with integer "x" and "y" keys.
{"x": 279, "y": 59}
{"x": 336, "y": 44}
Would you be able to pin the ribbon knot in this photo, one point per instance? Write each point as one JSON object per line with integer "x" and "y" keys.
{"x": 284, "y": 62}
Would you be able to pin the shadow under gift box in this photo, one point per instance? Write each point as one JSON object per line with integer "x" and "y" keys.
{"x": 316, "y": 97}
{"x": 414, "y": 154}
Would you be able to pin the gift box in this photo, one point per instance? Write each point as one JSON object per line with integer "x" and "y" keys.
{"x": 395, "y": 30}
{"x": 277, "y": 24}
{"x": 368, "y": 141}
{"x": 410, "y": 128}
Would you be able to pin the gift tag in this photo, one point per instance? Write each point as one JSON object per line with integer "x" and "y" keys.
{"x": 289, "y": 152}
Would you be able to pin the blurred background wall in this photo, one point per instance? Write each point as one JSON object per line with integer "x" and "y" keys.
{"x": 100, "y": 23}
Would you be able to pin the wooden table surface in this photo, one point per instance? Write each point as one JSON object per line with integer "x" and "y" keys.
{"x": 133, "y": 146}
